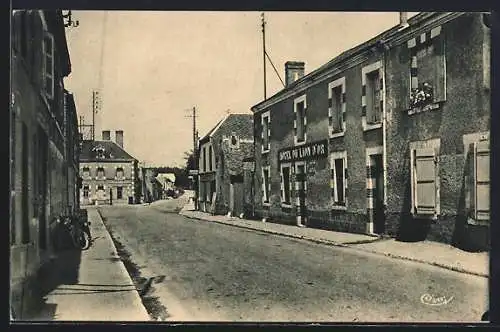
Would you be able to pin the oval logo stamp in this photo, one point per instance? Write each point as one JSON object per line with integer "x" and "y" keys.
{"x": 429, "y": 299}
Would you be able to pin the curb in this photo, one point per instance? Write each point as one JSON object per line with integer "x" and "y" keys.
{"x": 123, "y": 268}
{"x": 351, "y": 246}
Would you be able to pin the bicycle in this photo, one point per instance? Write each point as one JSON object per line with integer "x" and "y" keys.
{"x": 78, "y": 232}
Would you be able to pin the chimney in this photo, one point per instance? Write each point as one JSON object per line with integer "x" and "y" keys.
{"x": 403, "y": 19}
{"x": 106, "y": 135}
{"x": 119, "y": 138}
{"x": 293, "y": 71}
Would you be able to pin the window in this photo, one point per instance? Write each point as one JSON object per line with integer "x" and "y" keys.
{"x": 119, "y": 192}
{"x": 210, "y": 158}
{"x": 204, "y": 159}
{"x": 48, "y": 65}
{"x": 86, "y": 172}
{"x": 119, "y": 173}
{"x": 373, "y": 97}
{"x": 300, "y": 122}
{"x": 25, "y": 186}
{"x": 13, "y": 125}
{"x": 424, "y": 181}
{"x": 265, "y": 184}
{"x": 100, "y": 172}
{"x": 285, "y": 184}
{"x": 336, "y": 114}
{"x": 266, "y": 131}
{"x": 338, "y": 181}
{"x": 478, "y": 183}
{"x": 86, "y": 191}
{"x": 427, "y": 68}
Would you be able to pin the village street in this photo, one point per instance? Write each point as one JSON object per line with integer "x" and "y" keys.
{"x": 214, "y": 272}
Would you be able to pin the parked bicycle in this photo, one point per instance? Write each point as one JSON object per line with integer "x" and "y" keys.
{"x": 73, "y": 229}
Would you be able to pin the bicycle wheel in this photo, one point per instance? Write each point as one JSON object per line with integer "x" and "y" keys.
{"x": 80, "y": 239}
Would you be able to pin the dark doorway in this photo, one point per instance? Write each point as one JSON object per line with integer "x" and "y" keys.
{"x": 378, "y": 194}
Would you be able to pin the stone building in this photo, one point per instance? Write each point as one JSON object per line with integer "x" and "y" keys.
{"x": 221, "y": 155}
{"x": 109, "y": 174}
{"x": 438, "y": 123}
{"x": 43, "y": 145}
{"x": 333, "y": 147}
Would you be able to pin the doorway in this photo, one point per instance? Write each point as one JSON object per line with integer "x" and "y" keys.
{"x": 236, "y": 195}
{"x": 376, "y": 162}
{"x": 301, "y": 186}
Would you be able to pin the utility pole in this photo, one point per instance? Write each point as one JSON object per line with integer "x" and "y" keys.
{"x": 264, "y": 52}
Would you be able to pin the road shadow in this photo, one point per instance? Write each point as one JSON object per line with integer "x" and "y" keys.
{"x": 63, "y": 270}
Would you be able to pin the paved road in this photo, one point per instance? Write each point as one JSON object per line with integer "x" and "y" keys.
{"x": 218, "y": 272}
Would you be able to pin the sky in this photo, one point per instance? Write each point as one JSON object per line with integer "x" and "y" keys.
{"x": 152, "y": 68}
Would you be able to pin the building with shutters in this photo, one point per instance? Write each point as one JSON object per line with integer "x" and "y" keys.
{"x": 377, "y": 140}
{"x": 438, "y": 123}
{"x": 109, "y": 173}
{"x": 220, "y": 174}
{"x": 43, "y": 146}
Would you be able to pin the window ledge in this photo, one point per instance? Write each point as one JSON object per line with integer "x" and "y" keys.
{"x": 265, "y": 151}
{"x": 297, "y": 143}
{"x": 426, "y": 108}
{"x": 286, "y": 205}
{"x": 475, "y": 222}
{"x": 266, "y": 204}
{"x": 370, "y": 126}
{"x": 339, "y": 207}
{"x": 337, "y": 134}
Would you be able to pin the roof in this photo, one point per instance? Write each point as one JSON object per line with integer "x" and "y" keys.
{"x": 112, "y": 151}
{"x": 240, "y": 123}
{"x": 375, "y": 41}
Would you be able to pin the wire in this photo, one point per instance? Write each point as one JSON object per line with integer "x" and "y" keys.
{"x": 275, "y": 70}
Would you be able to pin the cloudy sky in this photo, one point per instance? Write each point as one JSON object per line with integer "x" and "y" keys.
{"x": 153, "y": 67}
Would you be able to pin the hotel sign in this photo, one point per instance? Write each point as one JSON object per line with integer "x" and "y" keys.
{"x": 309, "y": 151}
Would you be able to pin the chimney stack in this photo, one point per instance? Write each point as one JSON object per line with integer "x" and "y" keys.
{"x": 293, "y": 71}
{"x": 403, "y": 19}
{"x": 119, "y": 138}
{"x": 106, "y": 135}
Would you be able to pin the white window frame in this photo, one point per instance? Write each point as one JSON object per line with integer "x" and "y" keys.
{"x": 266, "y": 115}
{"x": 367, "y": 70}
{"x": 289, "y": 166}
{"x": 331, "y": 86}
{"x": 297, "y": 101}
{"x": 48, "y": 73}
{"x": 429, "y": 144}
{"x": 333, "y": 182}
{"x": 268, "y": 202}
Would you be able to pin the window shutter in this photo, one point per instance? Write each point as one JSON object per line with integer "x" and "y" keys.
{"x": 439, "y": 60}
{"x": 48, "y": 66}
{"x": 376, "y": 99}
{"x": 482, "y": 173}
{"x": 470, "y": 181}
{"x": 425, "y": 181}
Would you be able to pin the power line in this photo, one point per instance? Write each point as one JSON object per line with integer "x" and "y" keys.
{"x": 275, "y": 70}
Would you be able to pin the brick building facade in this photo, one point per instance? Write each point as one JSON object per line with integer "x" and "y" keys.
{"x": 109, "y": 174}
{"x": 221, "y": 155}
{"x": 333, "y": 147}
{"x": 43, "y": 144}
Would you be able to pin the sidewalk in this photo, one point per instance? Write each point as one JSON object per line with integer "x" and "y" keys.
{"x": 428, "y": 252}
{"x": 90, "y": 285}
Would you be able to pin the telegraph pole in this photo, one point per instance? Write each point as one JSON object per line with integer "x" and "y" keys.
{"x": 264, "y": 52}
